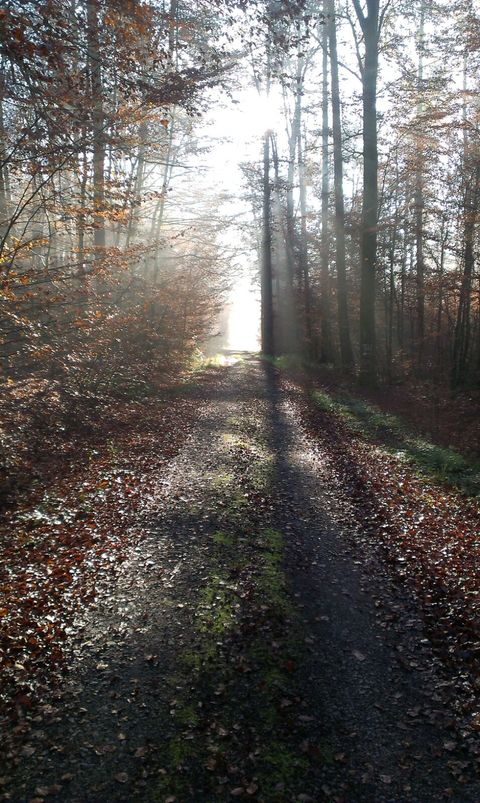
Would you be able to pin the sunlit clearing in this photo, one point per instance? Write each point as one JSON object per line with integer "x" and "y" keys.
{"x": 220, "y": 360}
{"x": 252, "y": 115}
{"x": 243, "y": 327}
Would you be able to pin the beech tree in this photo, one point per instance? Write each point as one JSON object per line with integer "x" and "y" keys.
{"x": 342, "y": 301}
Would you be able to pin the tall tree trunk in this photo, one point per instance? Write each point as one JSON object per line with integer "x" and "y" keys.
{"x": 462, "y": 335}
{"x": 291, "y": 244}
{"x": 419, "y": 199}
{"x": 172, "y": 29}
{"x": 286, "y": 339}
{"x": 444, "y": 235}
{"x": 327, "y": 353}
{"x": 3, "y": 171}
{"x": 368, "y": 239}
{"x": 303, "y": 250}
{"x": 94, "y": 60}
{"x": 266, "y": 267}
{"x": 157, "y": 220}
{"x": 471, "y": 169}
{"x": 346, "y": 351}
{"x": 405, "y": 226}
{"x": 83, "y": 169}
{"x": 138, "y": 186}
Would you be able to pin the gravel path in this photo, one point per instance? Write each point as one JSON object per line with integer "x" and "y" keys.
{"x": 215, "y": 660}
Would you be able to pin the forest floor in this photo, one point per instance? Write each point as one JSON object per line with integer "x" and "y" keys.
{"x": 248, "y": 598}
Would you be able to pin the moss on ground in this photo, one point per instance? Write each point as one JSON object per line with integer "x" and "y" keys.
{"x": 234, "y": 702}
{"x": 234, "y": 685}
{"x": 392, "y": 435}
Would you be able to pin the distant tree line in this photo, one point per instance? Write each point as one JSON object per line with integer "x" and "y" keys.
{"x": 371, "y": 194}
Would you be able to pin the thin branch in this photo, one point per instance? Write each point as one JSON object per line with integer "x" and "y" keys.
{"x": 361, "y": 16}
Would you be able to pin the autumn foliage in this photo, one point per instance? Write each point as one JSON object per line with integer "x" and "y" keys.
{"x": 101, "y": 295}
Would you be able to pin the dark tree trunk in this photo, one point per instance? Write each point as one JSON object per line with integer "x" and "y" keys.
{"x": 326, "y": 340}
{"x": 420, "y": 203}
{"x": 266, "y": 274}
{"x": 368, "y": 238}
{"x": 462, "y": 335}
{"x": 98, "y": 133}
{"x": 303, "y": 251}
{"x": 346, "y": 351}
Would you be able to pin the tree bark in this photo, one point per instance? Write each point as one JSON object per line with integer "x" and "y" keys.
{"x": 368, "y": 238}
{"x": 346, "y": 351}
{"x": 266, "y": 272}
{"x": 98, "y": 123}
{"x": 419, "y": 201}
{"x": 303, "y": 250}
{"x": 462, "y": 335}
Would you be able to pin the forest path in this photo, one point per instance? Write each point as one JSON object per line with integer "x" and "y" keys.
{"x": 246, "y": 649}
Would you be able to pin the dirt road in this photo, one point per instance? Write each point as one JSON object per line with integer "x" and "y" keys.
{"x": 252, "y": 646}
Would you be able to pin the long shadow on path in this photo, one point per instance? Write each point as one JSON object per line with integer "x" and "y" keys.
{"x": 239, "y": 653}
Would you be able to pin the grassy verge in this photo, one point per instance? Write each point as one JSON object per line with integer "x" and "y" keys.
{"x": 391, "y": 434}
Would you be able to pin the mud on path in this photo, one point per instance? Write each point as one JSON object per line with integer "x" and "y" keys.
{"x": 252, "y": 646}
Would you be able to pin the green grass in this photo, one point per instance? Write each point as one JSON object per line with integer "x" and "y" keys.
{"x": 199, "y": 361}
{"x": 391, "y": 434}
{"x": 290, "y": 362}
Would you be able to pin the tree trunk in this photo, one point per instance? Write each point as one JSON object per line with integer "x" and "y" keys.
{"x": 96, "y": 89}
{"x": 266, "y": 272}
{"x": 138, "y": 187}
{"x": 346, "y": 351}
{"x": 327, "y": 353}
{"x": 292, "y": 149}
{"x": 303, "y": 251}
{"x": 419, "y": 201}
{"x": 462, "y": 335}
{"x": 83, "y": 168}
{"x": 3, "y": 173}
{"x": 368, "y": 238}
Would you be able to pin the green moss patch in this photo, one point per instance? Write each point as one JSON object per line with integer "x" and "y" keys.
{"x": 235, "y": 716}
{"x": 391, "y": 434}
